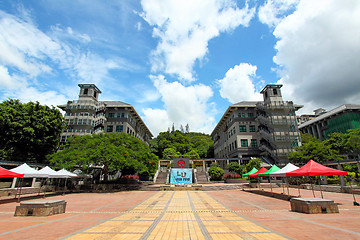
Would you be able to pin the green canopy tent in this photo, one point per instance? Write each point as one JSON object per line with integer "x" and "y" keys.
{"x": 274, "y": 168}
{"x": 254, "y": 170}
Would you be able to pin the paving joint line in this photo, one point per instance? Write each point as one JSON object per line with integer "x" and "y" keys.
{"x": 157, "y": 220}
{"x": 82, "y": 230}
{"x": 198, "y": 219}
{"x": 229, "y": 196}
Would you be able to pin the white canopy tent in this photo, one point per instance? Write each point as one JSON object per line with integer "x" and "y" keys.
{"x": 67, "y": 173}
{"x": 53, "y": 173}
{"x": 282, "y": 172}
{"x": 29, "y": 172}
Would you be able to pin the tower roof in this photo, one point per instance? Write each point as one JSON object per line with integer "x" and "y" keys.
{"x": 271, "y": 86}
{"x": 90, "y": 86}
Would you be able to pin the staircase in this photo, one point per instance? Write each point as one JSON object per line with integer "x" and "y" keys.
{"x": 161, "y": 178}
{"x": 201, "y": 176}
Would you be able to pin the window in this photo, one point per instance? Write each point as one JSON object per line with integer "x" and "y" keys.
{"x": 244, "y": 143}
{"x": 275, "y": 91}
{"x": 253, "y": 143}
{"x": 122, "y": 115}
{"x": 109, "y": 128}
{"x": 242, "y": 128}
{"x": 119, "y": 128}
{"x": 250, "y": 115}
{"x": 94, "y": 94}
{"x": 241, "y": 115}
{"x": 111, "y": 115}
{"x": 252, "y": 128}
{"x": 86, "y": 91}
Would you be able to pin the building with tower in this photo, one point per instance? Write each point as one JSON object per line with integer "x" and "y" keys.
{"x": 88, "y": 115}
{"x": 266, "y": 129}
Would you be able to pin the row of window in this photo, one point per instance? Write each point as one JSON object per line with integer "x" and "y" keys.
{"x": 233, "y": 146}
{"x": 118, "y": 115}
{"x": 245, "y": 143}
{"x": 244, "y": 129}
{"x": 232, "y": 132}
{"x": 119, "y": 128}
{"x": 246, "y": 115}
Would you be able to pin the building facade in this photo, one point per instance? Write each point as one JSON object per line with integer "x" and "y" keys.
{"x": 88, "y": 115}
{"x": 266, "y": 129}
{"x": 340, "y": 120}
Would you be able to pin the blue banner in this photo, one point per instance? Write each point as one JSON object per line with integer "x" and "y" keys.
{"x": 181, "y": 175}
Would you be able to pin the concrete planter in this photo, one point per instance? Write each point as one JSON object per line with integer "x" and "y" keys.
{"x": 230, "y": 180}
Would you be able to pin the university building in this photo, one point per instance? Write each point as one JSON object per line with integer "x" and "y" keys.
{"x": 88, "y": 115}
{"x": 340, "y": 120}
{"x": 266, "y": 129}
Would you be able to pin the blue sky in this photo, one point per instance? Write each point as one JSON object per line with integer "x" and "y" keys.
{"x": 181, "y": 62}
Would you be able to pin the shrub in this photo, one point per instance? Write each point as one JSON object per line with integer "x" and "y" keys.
{"x": 226, "y": 176}
{"x": 235, "y": 167}
{"x": 216, "y": 173}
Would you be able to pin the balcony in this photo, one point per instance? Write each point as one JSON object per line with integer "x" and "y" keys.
{"x": 75, "y": 132}
{"x": 275, "y": 105}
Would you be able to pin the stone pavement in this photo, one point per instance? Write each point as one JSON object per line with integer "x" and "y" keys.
{"x": 227, "y": 214}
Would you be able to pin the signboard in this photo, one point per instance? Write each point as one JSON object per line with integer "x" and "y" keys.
{"x": 181, "y": 176}
{"x": 181, "y": 163}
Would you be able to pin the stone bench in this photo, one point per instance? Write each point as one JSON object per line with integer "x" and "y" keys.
{"x": 313, "y": 205}
{"x": 40, "y": 208}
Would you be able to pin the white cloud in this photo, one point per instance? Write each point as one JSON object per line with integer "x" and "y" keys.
{"x": 184, "y": 29}
{"x": 318, "y": 53}
{"x": 273, "y": 11}
{"x": 238, "y": 84}
{"x": 23, "y": 46}
{"x": 27, "y": 53}
{"x": 157, "y": 120}
{"x": 5, "y": 78}
{"x": 183, "y": 105}
{"x": 27, "y": 93}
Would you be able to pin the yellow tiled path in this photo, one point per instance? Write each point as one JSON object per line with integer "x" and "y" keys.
{"x": 178, "y": 215}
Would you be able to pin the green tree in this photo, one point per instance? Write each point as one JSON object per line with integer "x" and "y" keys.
{"x": 168, "y": 152}
{"x": 183, "y": 143}
{"x": 113, "y": 151}
{"x": 28, "y": 131}
{"x": 215, "y": 172}
{"x": 306, "y": 137}
{"x": 235, "y": 167}
{"x": 253, "y": 163}
{"x": 314, "y": 150}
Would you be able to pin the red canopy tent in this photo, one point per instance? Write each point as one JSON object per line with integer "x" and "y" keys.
{"x": 4, "y": 173}
{"x": 313, "y": 168}
{"x": 261, "y": 170}
{"x": 9, "y": 174}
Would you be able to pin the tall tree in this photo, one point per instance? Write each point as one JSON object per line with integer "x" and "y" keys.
{"x": 187, "y": 128}
{"x": 28, "y": 131}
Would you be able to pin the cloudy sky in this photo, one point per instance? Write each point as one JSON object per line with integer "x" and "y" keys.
{"x": 181, "y": 62}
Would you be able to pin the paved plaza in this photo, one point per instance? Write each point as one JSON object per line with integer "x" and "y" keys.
{"x": 226, "y": 214}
